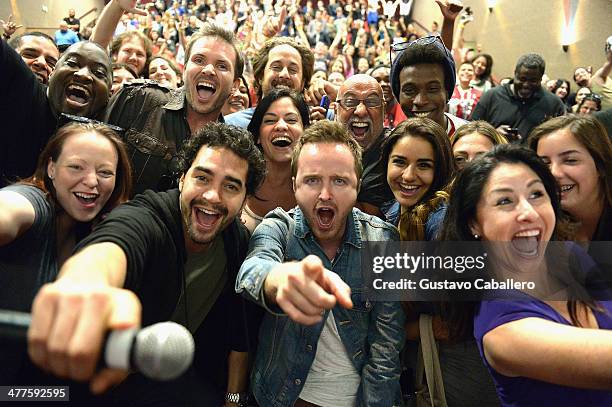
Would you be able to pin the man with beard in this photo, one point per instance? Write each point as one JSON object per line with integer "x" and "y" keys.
{"x": 521, "y": 104}
{"x": 158, "y": 120}
{"x": 360, "y": 108}
{"x": 79, "y": 85}
{"x": 282, "y": 61}
{"x": 322, "y": 343}
{"x": 174, "y": 254}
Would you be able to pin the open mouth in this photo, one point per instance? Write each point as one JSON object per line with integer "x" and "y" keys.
{"x": 409, "y": 190}
{"x": 207, "y": 218}
{"x": 282, "y": 83}
{"x": 237, "y": 103}
{"x": 421, "y": 114}
{"x": 281, "y": 141}
{"x": 566, "y": 188}
{"x": 205, "y": 89}
{"x": 78, "y": 95}
{"x": 85, "y": 198}
{"x": 359, "y": 129}
{"x": 325, "y": 217}
{"x": 526, "y": 242}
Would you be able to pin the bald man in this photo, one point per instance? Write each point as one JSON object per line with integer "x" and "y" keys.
{"x": 360, "y": 107}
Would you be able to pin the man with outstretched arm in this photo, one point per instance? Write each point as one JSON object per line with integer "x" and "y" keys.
{"x": 175, "y": 256}
{"x": 322, "y": 343}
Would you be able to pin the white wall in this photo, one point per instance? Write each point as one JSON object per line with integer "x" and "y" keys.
{"x": 30, "y": 13}
{"x": 516, "y": 27}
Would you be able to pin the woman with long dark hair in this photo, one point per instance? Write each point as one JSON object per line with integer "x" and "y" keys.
{"x": 539, "y": 351}
{"x": 278, "y": 122}
{"x": 419, "y": 165}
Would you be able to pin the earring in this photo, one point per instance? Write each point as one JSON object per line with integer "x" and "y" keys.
{"x": 477, "y": 237}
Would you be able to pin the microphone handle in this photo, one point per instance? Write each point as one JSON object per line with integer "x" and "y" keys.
{"x": 14, "y": 325}
{"x": 117, "y": 346}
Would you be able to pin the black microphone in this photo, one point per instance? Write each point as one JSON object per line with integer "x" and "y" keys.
{"x": 162, "y": 351}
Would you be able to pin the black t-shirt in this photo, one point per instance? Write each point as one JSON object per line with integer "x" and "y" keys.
{"x": 149, "y": 231}
{"x": 374, "y": 187}
{"x": 27, "y": 120}
{"x": 73, "y": 21}
{"x": 501, "y": 106}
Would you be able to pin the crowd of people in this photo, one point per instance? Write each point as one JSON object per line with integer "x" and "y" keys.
{"x": 223, "y": 165}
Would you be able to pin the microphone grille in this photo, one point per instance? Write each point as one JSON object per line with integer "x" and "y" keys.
{"x": 164, "y": 351}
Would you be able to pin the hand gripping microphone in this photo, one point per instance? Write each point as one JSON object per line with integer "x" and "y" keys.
{"x": 162, "y": 351}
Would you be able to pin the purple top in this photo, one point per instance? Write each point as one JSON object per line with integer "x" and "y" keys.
{"x": 522, "y": 391}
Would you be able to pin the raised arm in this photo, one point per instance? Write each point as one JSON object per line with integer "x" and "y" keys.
{"x": 548, "y": 351}
{"x": 109, "y": 18}
{"x": 16, "y": 216}
{"x": 602, "y": 73}
{"x": 450, "y": 10}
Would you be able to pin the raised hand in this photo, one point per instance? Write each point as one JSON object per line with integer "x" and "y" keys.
{"x": 274, "y": 24}
{"x": 9, "y": 27}
{"x": 129, "y": 6}
{"x": 450, "y": 8}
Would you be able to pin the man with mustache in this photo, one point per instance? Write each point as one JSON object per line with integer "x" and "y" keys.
{"x": 158, "y": 120}
{"x": 79, "y": 85}
{"x": 321, "y": 343}
{"x": 521, "y": 104}
{"x": 173, "y": 254}
{"x": 360, "y": 107}
{"x": 282, "y": 61}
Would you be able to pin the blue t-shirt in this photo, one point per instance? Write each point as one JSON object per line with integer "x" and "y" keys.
{"x": 66, "y": 38}
{"x": 523, "y": 391}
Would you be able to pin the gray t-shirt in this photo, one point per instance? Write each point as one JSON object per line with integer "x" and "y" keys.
{"x": 31, "y": 260}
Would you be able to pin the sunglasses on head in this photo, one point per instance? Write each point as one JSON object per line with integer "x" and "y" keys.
{"x": 399, "y": 47}
{"x": 66, "y": 118}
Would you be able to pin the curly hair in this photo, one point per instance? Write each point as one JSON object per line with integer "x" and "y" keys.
{"x": 235, "y": 139}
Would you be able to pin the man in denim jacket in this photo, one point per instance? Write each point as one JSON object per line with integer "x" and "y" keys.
{"x": 321, "y": 343}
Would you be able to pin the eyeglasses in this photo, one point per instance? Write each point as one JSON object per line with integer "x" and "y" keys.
{"x": 399, "y": 47}
{"x": 66, "y": 118}
{"x": 349, "y": 102}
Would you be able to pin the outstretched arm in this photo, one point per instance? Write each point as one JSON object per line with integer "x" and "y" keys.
{"x": 71, "y": 316}
{"x": 16, "y": 216}
{"x": 551, "y": 352}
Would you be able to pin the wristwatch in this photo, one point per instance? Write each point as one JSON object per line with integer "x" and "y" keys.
{"x": 241, "y": 399}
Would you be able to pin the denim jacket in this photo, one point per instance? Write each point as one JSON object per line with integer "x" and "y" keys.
{"x": 372, "y": 332}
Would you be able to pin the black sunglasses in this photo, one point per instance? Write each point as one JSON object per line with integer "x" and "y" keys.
{"x": 66, "y": 118}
